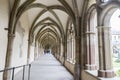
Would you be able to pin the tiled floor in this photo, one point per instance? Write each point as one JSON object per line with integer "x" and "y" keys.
{"x": 46, "y": 67}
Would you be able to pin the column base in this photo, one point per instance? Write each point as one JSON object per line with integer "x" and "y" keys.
{"x": 106, "y": 73}
{"x": 91, "y": 67}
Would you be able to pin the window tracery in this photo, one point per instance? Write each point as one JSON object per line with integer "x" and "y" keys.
{"x": 71, "y": 44}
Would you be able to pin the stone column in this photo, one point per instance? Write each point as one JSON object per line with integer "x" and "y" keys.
{"x": 6, "y": 74}
{"x": 59, "y": 48}
{"x": 55, "y": 50}
{"x": 105, "y": 57}
{"x": 28, "y": 54}
{"x": 65, "y": 51}
{"x": 90, "y": 50}
{"x": 62, "y": 52}
{"x": 77, "y": 59}
{"x": 35, "y": 50}
{"x": 68, "y": 51}
{"x": 58, "y": 51}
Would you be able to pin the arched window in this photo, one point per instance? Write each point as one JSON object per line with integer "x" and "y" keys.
{"x": 106, "y": 35}
{"x": 115, "y": 33}
{"x": 71, "y": 44}
{"x": 91, "y": 39}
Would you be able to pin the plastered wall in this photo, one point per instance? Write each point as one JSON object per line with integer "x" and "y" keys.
{"x": 3, "y": 33}
{"x": 20, "y": 45}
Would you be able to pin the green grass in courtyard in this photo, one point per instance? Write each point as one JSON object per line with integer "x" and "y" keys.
{"x": 116, "y": 62}
{"x": 116, "y": 65}
{"x": 118, "y": 73}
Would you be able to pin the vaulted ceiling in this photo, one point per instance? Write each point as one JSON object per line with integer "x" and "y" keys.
{"x": 49, "y": 18}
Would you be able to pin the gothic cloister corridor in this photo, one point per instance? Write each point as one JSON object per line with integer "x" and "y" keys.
{"x": 82, "y": 37}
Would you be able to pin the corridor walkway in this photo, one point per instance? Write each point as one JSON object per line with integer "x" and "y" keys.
{"x": 47, "y": 67}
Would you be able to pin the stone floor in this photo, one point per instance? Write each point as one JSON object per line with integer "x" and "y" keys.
{"x": 46, "y": 67}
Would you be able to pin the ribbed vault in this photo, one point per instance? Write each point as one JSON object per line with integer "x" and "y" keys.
{"x": 48, "y": 21}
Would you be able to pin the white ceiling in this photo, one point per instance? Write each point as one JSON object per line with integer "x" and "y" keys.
{"x": 59, "y": 16}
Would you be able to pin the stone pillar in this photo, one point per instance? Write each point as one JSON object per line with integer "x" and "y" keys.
{"x": 28, "y": 55}
{"x": 77, "y": 59}
{"x": 6, "y": 74}
{"x": 35, "y": 51}
{"x": 59, "y": 48}
{"x": 65, "y": 51}
{"x": 62, "y": 52}
{"x": 90, "y": 60}
{"x": 67, "y": 56}
{"x": 105, "y": 57}
{"x": 70, "y": 49}
{"x": 58, "y": 51}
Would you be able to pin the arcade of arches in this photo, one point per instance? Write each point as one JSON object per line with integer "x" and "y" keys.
{"x": 76, "y": 32}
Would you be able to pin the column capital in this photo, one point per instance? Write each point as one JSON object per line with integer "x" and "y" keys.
{"x": 104, "y": 27}
{"x": 89, "y": 32}
{"x": 11, "y": 35}
{"x": 91, "y": 66}
{"x": 65, "y": 41}
{"x": 77, "y": 37}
